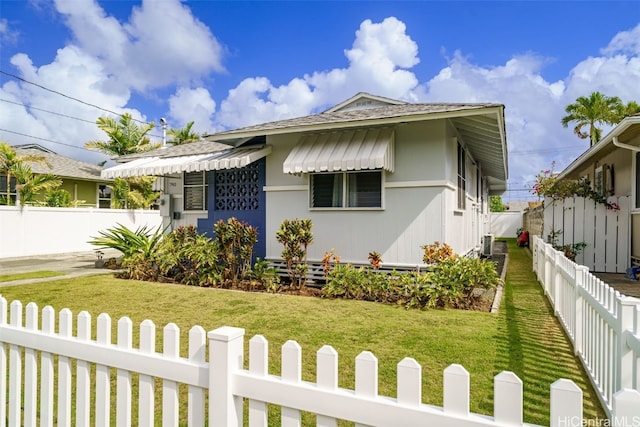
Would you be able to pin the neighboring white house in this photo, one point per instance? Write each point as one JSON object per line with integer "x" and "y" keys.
{"x": 612, "y": 167}
{"x": 372, "y": 173}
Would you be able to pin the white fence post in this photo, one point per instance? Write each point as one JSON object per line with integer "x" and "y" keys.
{"x": 327, "y": 378}
{"x": 291, "y": 372}
{"x": 31, "y": 370}
{"x": 226, "y": 355}
{"x": 581, "y": 272}
{"x": 146, "y": 400}
{"x": 626, "y": 313}
{"x": 196, "y": 398}
{"x": 626, "y": 404}
{"x": 566, "y": 404}
{"x": 366, "y": 376}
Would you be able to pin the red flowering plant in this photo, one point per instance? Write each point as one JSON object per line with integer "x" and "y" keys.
{"x": 547, "y": 185}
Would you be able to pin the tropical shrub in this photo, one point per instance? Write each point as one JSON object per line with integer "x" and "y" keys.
{"x": 437, "y": 252}
{"x": 455, "y": 280}
{"x": 185, "y": 256}
{"x": 141, "y": 241}
{"x": 295, "y": 235}
{"x": 235, "y": 240}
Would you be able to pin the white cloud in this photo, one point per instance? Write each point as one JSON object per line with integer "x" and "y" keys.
{"x": 626, "y": 42}
{"x": 195, "y": 105}
{"x": 384, "y": 47}
{"x": 8, "y": 36}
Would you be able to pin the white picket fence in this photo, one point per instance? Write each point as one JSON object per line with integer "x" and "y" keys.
{"x": 218, "y": 388}
{"x": 602, "y": 325}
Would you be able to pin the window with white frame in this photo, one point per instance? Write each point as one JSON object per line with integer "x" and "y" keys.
{"x": 104, "y": 196}
{"x": 195, "y": 191}
{"x": 346, "y": 190}
{"x": 462, "y": 177}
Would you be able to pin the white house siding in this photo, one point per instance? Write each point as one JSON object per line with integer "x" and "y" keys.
{"x": 419, "y": 203}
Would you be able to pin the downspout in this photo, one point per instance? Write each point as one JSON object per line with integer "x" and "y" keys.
{"x": 617, "y": 143}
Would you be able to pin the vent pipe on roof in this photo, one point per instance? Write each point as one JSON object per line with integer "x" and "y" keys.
{"x": 617, "y": 143}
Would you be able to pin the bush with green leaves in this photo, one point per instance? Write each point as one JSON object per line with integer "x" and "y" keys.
{"x": 235, "y": 240}
{"x": 187, "y": 257}
{"x": 449, "y": 284}
{"x": 455, "y": 280}
{"x": 296, "y": 236}
{"x": 138, "y": 248}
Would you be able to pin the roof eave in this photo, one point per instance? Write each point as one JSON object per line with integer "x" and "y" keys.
{"x": 625, "y": 124}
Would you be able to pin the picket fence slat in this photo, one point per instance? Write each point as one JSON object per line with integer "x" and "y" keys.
{"x": 47, "y": 371}
{"x": 30, "y": 371}
{"x": 291, "y": 373}
{"x": 123, "y": 376}
{"x": 103, "y": 383}
{"x": 146, "y": 401}
{"x": 258, "y": 365}
{"x": 327, "y": 379}
{"x": 223, "y": 380}
{"x": 196, "y": 395}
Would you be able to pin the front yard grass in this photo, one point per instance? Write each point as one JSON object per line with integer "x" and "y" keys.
{"x": 523, "y": 337}
{"x": 30, "y": 275}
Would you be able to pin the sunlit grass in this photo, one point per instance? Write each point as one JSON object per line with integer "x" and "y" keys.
{"x": 30, "y": 275}
{"x": 523, "y": 337}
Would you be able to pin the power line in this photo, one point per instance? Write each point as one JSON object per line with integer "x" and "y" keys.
{"x": 44, "y": 139}
{"x": 59, "y": 114}
{"x": 47, "y": 111}
{"x": 66, "y": 96}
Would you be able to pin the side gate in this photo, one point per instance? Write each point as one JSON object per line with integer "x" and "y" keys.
{"x": 606, "y": 232}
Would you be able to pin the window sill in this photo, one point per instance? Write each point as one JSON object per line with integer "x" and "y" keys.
{"x": 344, "y": 209}
{"x": 458, "y": 212}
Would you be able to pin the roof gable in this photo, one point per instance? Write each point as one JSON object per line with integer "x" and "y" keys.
{"x": 362, "y": 101}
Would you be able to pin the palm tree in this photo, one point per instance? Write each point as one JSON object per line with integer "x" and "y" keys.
{"x": 183, "y": 135}
{"x": 591, "y": 111}
{"x": 10, "y": 162}
{"x": 125, "y": 136}
{"x": 30, "y": 185}
{"x": 631, "y": 108}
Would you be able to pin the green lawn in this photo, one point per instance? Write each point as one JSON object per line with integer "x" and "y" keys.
{"x": 523, "y": 337}
{"x": 31, "y": 275}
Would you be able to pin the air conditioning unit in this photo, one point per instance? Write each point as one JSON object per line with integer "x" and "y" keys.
{"x": 487, "y": 245}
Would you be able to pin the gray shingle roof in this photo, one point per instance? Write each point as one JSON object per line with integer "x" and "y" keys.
{"x": 61, "y": 166}
{"x": 191, "y": 149}
{"x": 326, "y": 118}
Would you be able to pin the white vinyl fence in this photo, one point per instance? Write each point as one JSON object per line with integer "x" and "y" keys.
{"x": 36, "y": 359}
{"x": 602, "y": 325}
{"x": 29, "y": 230}
{"x": 505, "y": 224}
{"x": 606, "y": 232}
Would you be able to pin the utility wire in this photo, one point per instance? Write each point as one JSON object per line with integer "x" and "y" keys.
{"x": 44, "y": 139}
{"x": 47, "y": 111}
{"x": 60, "y": 114}
{"x": 64, "y": 95}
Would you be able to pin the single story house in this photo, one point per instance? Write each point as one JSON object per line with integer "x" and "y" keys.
{"x": 372, "y": 173}
{"x": 612, "y": 167}
{"x": 82, "y": 180}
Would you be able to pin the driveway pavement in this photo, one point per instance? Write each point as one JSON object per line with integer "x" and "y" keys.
{"x": 70, "y": 264}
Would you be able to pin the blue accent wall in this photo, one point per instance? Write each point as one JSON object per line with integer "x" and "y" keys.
{"x": 238, "y": 193}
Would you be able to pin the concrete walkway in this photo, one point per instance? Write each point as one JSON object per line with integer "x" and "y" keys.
{"x": 70, "y": 265}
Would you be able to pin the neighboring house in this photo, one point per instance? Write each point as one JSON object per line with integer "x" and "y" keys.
{"x": 612, "y": 167}
{"x": 82, "y": 180}
{"x": 372, "y": 173}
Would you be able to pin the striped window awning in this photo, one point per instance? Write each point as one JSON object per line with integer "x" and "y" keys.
{"x": 154, "y": 166}
{"x": 347, "y": 150}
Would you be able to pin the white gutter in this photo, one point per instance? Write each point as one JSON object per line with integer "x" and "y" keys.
{"x": 633, "y": 148}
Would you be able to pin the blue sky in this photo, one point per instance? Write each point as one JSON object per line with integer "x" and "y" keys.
{"x": 227, "y": 64}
